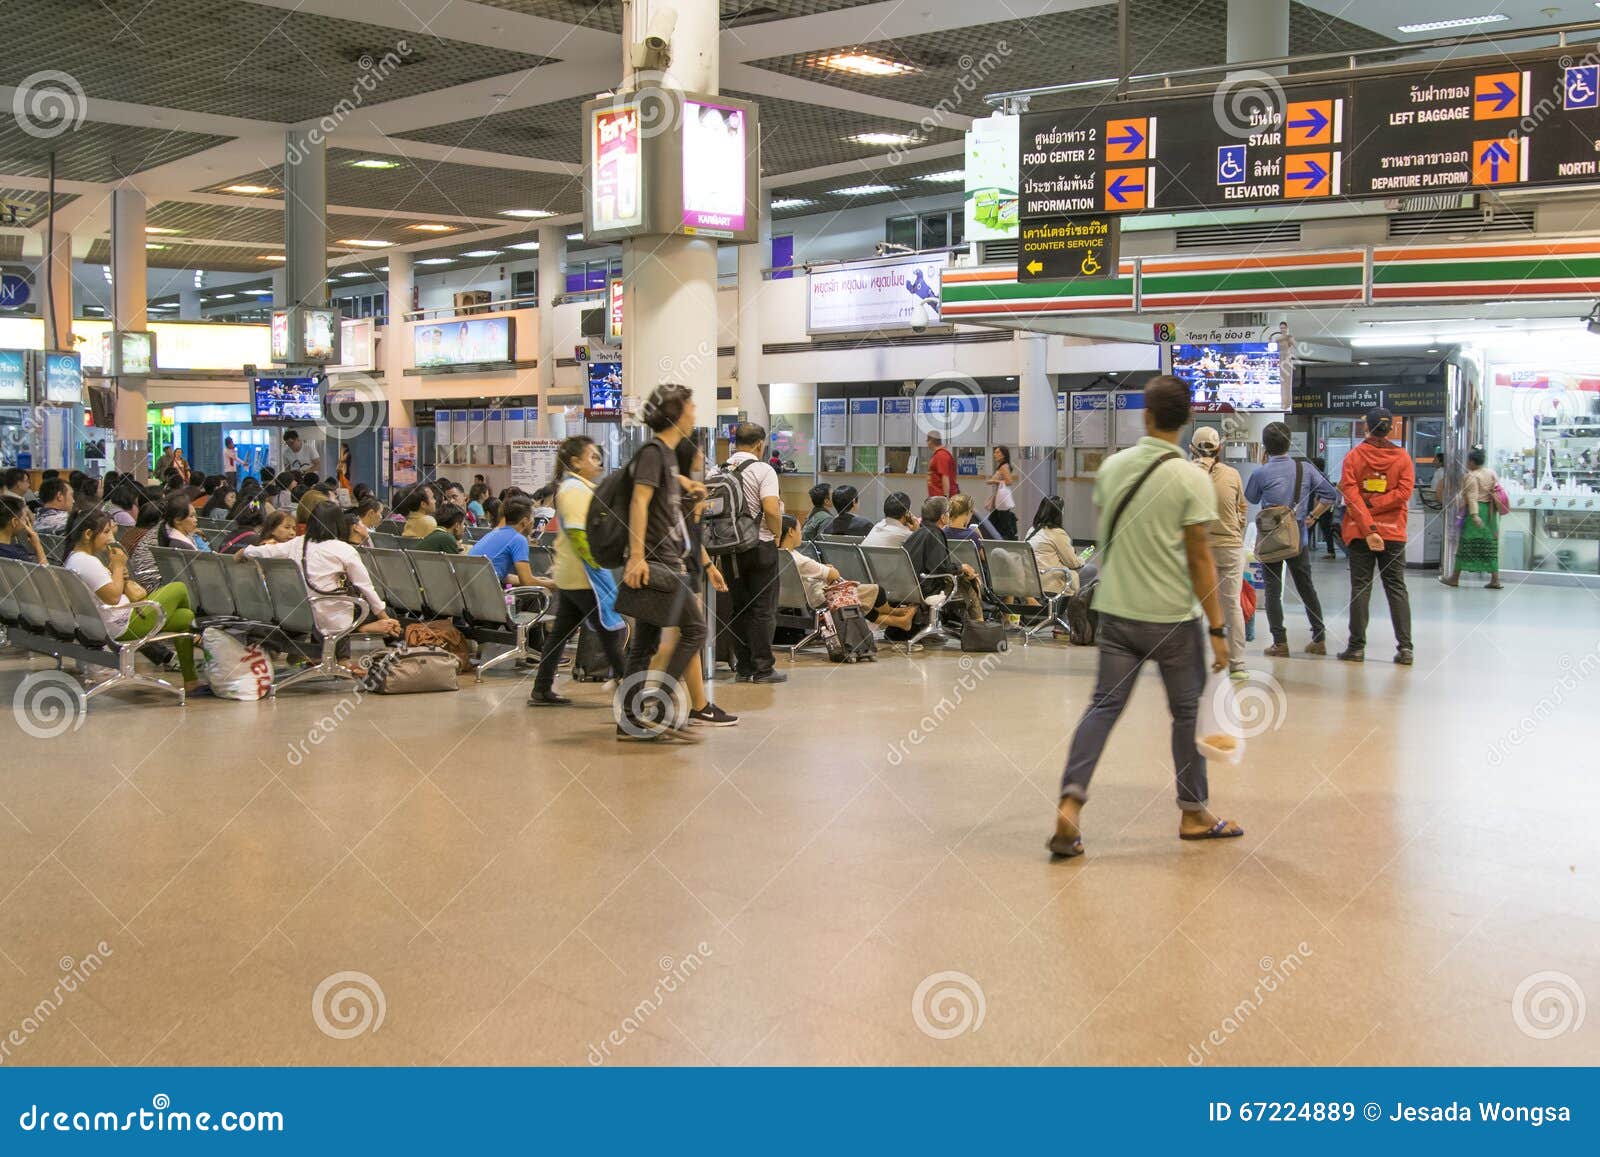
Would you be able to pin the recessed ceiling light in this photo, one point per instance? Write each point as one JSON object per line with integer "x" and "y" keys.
{"x": 158, "y": 229}
{"x": 353, "y": 275}
{"x": 864, "y": 64}
{"x": 889, "y": 139}
{"x": 948, "y": 177}
{"x": 524, "y": 245}
{"x": 579, "y": 236}
{"x": 431, "y": 227}
{"x": 782, "y": 203}
{"x": 249, "y": 190}
{"x": 481, "y": 253}
{"x": 272, "y": 257}
{"x": 1456, "y": 22}
{"x": 527, "y": 213}
{"x": 153, "y": 245}
{"x": 436, "y": 261}
{"x": 365, "y": 243}
{"x": 863, "y": 190}
{"x": 259, "y": 292}
{"x": 223, "y": 296}
{"x": 374, "y": 163}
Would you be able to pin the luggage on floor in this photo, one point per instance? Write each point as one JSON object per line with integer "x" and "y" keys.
{"x": 1083, "y": 622}
{"x": 412, "y": 670}
{"x": 234, "y": 670}
{"x": 984, "y": 637}
{"x": 848, "y": 636}
{"x": 591, "y": 665}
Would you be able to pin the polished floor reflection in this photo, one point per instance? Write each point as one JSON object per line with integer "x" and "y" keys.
{"x": 854, "y": 875}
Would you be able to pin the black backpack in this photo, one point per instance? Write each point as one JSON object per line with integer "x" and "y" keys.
{"x": 728, "y": 527}
{"x": 607, "y": 523}
{"x": 1083, "y": 621}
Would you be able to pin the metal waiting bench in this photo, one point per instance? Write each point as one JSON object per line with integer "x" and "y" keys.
{"x": 891, "y": 568}
{"x": 465, "y": 589}
{"x": 1015, "y": 578}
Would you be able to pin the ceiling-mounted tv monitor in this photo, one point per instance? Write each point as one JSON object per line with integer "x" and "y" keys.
{"x": 281, "y": 399}
{"x": 1224, "y": 376}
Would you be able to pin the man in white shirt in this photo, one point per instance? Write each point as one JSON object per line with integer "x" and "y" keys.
{"x": 301, "y": 454}
{"x": 897, "y": 525}
{"x": 753, "y": 577}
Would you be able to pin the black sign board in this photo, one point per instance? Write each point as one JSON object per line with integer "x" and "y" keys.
{"x": 1418, "y": 398}
{"x": 1248, "y": 145}
{"x": 1503, "y": 124}
{"x": 1067, "y": 248}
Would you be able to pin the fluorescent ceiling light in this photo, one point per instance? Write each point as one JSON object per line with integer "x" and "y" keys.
{"x": 782, "y": 203}
{"x": 1456, "y": 22}
{"x": 862, "y": 190}
{"x": 579, "y": 236}
{"x": 152, "y": 245}
{"x": 354, "y": 275}
{"x": 259, "y": 292}
{"x": 249, "y": 190}
{"x": 865, "y": 64}
{"x": 481, "y": 253}
{"x": 436, "y": 261}
{"x": 889, "y": 139}
{"x": 524, "y": 245}
{"x": 374, "y": 163}
{"x": 272, "y": 257}
{"x": 1396, "y": 342}
{"x": 528, "y": 213}
{"x": 948, "y": 177}
{"x": 366, "y": 243}
{"x": 432, "y": 227}
{"x": 158, "y": 229}
{"x": 223, "y": 296}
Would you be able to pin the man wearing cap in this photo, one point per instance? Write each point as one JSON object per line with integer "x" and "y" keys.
{"x": 1227, "y": 537}
{"x": 1287, "y": 481}
{"x": 1376, "y": 483}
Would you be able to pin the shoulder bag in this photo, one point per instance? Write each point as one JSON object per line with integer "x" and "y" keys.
{"x": 411, "y": 670}
{"x": 1277, "y": 528}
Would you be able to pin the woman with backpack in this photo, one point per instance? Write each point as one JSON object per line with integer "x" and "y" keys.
{"x": 1478, "y": 551}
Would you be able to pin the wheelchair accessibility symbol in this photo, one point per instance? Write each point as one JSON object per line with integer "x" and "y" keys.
{"x": 1581, "y": 87}
{"x": 1090, "y": 266}
{"x": 1230, "y": 165}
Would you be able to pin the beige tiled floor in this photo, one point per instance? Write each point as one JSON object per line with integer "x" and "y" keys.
{"x": 517, "y": 885}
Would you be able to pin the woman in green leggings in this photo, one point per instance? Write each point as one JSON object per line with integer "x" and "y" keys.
{"x": 91, "y": 534}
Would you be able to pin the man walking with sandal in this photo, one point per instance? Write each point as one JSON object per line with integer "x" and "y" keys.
{"x": 1156, "y": 574}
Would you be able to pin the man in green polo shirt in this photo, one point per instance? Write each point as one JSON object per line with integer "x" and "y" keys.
{"x": 1156, "y": 575}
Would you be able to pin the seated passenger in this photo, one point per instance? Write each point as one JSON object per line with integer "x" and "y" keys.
{"x": 55, "y": 504}
{"x": 1052, "y": 549}
{"x": 961, "y": 519}
{"x": 315, "y": 495}
{"x": 821, "y": 513}
{"x": 815, "y": 577}
{"x": 506, "y": 547}
{"x": 846, "y": 523}
{"x": 930, "y": 555}
{"x": 446, "y": 539}
{"x": 897, "y": 525}
{"x": 331, "y": 566}
{"x": 17, "y": 537}
{"x": 91, "y": 534}
{"x": 178, "y": 529}
{"x": 417, "y": 509}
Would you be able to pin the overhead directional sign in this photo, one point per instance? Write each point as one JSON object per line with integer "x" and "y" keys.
{"x": 1067, "y": 248}
{"x": 1257, "y": 146}
{"x": 1505, "y": 123}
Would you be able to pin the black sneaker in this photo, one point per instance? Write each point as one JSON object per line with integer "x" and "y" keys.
{"x": 770, "y": 677}
{"x": 1354, "y": 655}
{"x": 655, "y": 733}
{"x": 1404, "y": 657}
{"x": 712, "y": 716}
{"x": 547, "y": 699}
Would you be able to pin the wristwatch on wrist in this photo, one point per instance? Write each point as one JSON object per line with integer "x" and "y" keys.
{"x": 1219, "y": 632}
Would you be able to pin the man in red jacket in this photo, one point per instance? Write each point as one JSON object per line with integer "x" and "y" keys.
{"x": 1376, "y": 483}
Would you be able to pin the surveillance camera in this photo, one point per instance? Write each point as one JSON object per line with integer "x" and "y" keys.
{"x": 662, "y": 23}
{"x": 919, "y": 316}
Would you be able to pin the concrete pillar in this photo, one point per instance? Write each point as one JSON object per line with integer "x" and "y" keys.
{"x": 305, "y": 219}
{"x": 280, "y": 296}
{"x": 129, "y": 311}
{"x": 750, "y": 393}
{"x": 53, "y": 282}
{"x": 552, "y": 257}
{"x": 1258, "y": 30}
{"x": 670, "y": 283}
{"x": 397, "y": 338}
{"x": 1034, "y": 459}
{"x": 189, "y": 304}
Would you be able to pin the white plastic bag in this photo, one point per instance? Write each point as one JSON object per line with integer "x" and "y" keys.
{"x": 234, "y": 670}
{"x": 1217, "y": 730}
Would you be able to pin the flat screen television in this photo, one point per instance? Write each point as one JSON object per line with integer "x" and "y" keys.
{"x": 605, "y": 390}
{"x": 1222, "y": 376}
{"x": 277, "y": 399}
